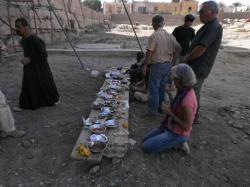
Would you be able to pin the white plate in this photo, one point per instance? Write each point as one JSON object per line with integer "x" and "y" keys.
{"x": 98, "y": 138}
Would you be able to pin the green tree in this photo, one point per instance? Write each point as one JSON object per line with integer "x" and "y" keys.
{"x": 236, "y": 5}
{"x": 221, "y": 5}
{"x": 93, "y": 4}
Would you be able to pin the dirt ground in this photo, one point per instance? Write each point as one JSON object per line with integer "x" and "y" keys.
{"x": 219, "y": 145}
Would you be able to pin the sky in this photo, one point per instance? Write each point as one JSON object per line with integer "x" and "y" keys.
{"x": 227, "y": 2}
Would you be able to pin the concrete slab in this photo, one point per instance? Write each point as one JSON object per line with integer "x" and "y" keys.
{"x": 239, "y": 52}
{"x": 97, "y": 52}
{"x": 97, "y": 46}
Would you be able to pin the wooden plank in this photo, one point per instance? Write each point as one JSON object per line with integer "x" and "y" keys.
{"x": 83, "y": 139}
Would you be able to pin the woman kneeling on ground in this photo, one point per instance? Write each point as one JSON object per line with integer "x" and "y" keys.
{"x": 177, "y": 125}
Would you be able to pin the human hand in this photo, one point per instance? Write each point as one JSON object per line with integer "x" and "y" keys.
{"x": 25, "y": 61}
{"x": 144, "y": 71}
{"x": 184, "y": 61}
{"x": 164, "y": 106}
{"x": 168, "y": 111}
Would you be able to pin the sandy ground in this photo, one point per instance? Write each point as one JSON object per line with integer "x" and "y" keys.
{"x": 219, "y": 145}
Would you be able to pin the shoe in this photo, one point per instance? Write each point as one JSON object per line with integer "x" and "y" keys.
{"x": 17, "y": 109}
{"x": 14, "y": 134}
{"x": 58, "y": 102}
{"x": 185, "y": 148}
{"x": 196, "y": 121}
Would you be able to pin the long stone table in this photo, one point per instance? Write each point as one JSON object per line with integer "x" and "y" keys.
{"x": 117, "y": 137}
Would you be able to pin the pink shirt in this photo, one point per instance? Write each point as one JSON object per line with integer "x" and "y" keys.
{"x": 188, "y": 101}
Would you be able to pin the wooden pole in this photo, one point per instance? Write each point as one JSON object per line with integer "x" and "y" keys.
{"x": 66, "y": 35}
{"x": 9, "y": 20}
{"x": 83, "y": 16}
{"x": 66, "y": 13}
{"x": 125, "y": 8}
{"x": 78, "y": 23}
{"x": 51, "y": 28}
{"x": 34, "y": 15}
{"x": 92, "y": 16}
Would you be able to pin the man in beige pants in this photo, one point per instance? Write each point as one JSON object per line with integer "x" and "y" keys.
{"x": 7, "y": 122}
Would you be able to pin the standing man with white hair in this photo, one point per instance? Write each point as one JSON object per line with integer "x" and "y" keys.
{"x": 161, "y": 48}
{"x": 205, "y": 46}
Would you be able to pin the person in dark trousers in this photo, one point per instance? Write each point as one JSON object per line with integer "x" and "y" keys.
{"x": 38, "y": 87}
{"x": 204, "y": 46}
{"x": 184, "y": 34}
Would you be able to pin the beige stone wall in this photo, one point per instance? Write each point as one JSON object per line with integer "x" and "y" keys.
{"x": 175, "y": 8}
{"x": 116, "y": 8}
{"x": 147, "y": 19}
{"x": 72, "y": 13}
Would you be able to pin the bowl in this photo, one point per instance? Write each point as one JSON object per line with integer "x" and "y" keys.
{"x": 112, "y": 123}
{"x": 97, "y": 147}
{"x": 98, "y": 138}
{"x": 97, "y": 128}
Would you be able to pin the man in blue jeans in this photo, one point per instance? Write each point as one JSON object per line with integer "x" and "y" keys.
{"x": 161, "y": 48}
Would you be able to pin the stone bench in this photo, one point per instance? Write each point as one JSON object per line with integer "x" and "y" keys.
{"x": 117, "y": 145}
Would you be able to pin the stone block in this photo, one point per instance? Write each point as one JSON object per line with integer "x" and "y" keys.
{"x": 94, "y": 73}
{"x": 7, "y": 122}
{"x": 2, "y": 98}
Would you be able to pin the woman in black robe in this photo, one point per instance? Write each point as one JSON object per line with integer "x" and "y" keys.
{"x": 38, "y": 86}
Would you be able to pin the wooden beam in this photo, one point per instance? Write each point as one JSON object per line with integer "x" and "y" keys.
{"x": 66, "y": 13}
{"x": 83, "y": 16}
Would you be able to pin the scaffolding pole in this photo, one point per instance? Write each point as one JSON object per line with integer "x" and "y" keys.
{"x": 66, "y": 13}
{"x": 34, "y": 16}
{"x": 125, "y": 8}
{"x": 51, "y": 28}
{"x": 83, "y": 16}
{"x": 66, "y": 35}
{"x": 9, "y": 20}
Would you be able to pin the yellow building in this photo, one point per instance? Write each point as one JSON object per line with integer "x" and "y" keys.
{"x": 188, "y": 6}
{"x": 146, "y": 7}
{"x": 116, "y": 8}
{"x": 172, "y": 8}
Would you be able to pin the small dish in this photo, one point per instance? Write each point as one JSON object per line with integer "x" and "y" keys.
{"x": 97, "y": 128}
{"x": 112, "y": 123}
{"x": 98, "y": 138}
{"x": 98, "y": 103}
{"x": 96, "y": 147}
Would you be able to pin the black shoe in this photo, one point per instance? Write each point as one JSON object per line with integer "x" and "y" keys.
{"x": 196, "y": 121}
{"x": 160, "y": 111}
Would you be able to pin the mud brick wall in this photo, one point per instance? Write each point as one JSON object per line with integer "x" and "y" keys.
{"x": 73, "y": 16}
{"x": 237, "y": 15}
{"x": 147, "y": 19}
